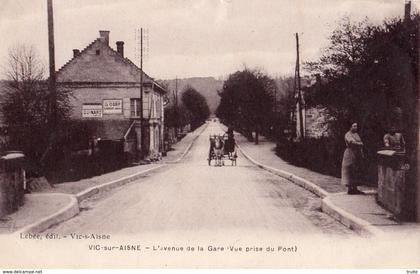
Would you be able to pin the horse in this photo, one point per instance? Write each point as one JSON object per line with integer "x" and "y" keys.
{"x": 218, "y": 150}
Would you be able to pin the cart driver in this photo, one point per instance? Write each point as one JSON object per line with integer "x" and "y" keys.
{"x": 230, "y": 143}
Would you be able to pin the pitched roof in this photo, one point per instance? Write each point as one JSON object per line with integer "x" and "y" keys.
{"x": 107, "y": 66}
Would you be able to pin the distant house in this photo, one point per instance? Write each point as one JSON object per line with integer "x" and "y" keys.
{"x": 315, "y": 119}
{"x": 316, "y": 122}
{"x": 105, "y": 89}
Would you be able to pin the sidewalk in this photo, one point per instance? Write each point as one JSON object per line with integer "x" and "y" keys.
{"x": 182, "y": 147}
{"x": 179, "y": 149}
{"x": 358, "y": 212}
{"x": 60, "y": 203}
{"x": 39, "y": 210}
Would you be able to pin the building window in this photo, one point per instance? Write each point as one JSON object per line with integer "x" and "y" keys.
{"x": 135, "y": 107}
{"x": 98, "y": 52}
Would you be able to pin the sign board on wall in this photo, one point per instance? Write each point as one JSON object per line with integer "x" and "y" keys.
{"x": 92, "y": 110}
{"x": 112, "y": 106}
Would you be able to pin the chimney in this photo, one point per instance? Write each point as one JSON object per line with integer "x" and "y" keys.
{"x": 104, "y": 36}
{"x": 407, "y": 10}
{"x": 120, "y": 48}
{"x": 76, "y": 52}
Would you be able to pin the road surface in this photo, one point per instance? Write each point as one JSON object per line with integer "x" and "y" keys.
{"x": 192, "y": 197}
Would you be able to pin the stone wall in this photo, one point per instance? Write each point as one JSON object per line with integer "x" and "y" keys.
{"x": 12, "y": 178}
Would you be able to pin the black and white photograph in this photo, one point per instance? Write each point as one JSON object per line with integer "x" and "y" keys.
{"x": 209, "y": 134}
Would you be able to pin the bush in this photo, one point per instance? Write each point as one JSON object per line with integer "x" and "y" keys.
{"x": 323, "y": 155}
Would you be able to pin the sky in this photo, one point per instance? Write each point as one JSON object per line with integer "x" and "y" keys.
{"x": 190, "y": 38}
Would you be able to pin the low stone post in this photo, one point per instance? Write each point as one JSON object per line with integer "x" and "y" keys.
{"x": 393, "y": 184}
{"x": 12, "y": 180}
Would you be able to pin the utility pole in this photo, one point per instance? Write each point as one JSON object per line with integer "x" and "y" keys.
{"x": 138, "y": 33}
{"x": 176, "y": 107}
{"x": 52, "y": 88}
{"x": 141, "y": 98}
{"x": 52, "y": 80}
{"x": 417, "y": 135}
{"x": 407, "y": 10}
{"x": 417, "y": 121}
{"x": 299, "y": 92}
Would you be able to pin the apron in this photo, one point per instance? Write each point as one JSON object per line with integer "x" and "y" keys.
{"x": 350, "y": 167}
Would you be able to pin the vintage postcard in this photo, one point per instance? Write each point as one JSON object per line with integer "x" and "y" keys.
{"x": 209, "y": 134}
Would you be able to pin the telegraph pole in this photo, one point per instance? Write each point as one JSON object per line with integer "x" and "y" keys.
{"x": 141, "y": 97}
{"x": 407, "y": 10}
{"x": 417, "y": 133}
{"x": 52, "y": 89}
{"x": 176, "y": 107}
{"x": 52, "y": 80}
{"x": 299, "y": 91}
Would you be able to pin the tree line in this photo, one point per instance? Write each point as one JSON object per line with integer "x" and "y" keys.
{"x": 26, "y": 107}
{"x": 247, "y": 102}
{"x": 192, "y": 109}
{"x": 26, "y": 111}
{"x": 369, "y": 75}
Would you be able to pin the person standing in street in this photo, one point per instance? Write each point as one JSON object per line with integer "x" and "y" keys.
{"x": 352, "y": 159}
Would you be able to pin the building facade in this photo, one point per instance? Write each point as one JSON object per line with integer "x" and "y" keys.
{"x": 315, "y": 119}
{"x": 105, "y": 96}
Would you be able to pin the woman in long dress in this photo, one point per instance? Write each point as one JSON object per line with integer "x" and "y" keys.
{"x": 352, "y": 159}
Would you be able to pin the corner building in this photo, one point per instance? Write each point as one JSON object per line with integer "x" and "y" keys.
{"x": 105, "y": 96}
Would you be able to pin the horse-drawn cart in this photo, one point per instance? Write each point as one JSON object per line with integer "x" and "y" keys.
{"x": 221, "y": 148}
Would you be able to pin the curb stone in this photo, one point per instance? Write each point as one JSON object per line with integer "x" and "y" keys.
{"x": 288, "y": 176}
{"x": 347, "y": 219}
{"x": 189, "y": 146}
{"x": 87, "y": 193}
{"x": 63, "y": 214}
{"x": 72, "y": 209}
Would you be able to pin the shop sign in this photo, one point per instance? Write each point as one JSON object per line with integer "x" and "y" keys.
{"x": 92, "y": 110}
{"x": 112, "y": 106}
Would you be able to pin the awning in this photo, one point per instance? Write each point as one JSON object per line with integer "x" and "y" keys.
{"x": 110, "y": 129}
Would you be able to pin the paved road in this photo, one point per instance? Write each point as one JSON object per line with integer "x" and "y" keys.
{"x": 191, "y": 197}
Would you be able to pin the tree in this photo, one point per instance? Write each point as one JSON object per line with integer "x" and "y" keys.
{"x": 346, "y": 48}
{"x": 370, "y": 75}
{"x": 247, "y": 102}
{"x": 177, "y": 117}
{"x": 26, "y": 100}
{"x": 370, "y": 68}
{"x": 197, "y": 106}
